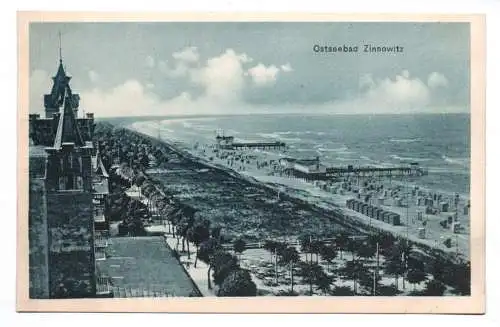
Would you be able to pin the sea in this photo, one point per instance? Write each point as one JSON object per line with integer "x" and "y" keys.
{"x": 440, "y": 143}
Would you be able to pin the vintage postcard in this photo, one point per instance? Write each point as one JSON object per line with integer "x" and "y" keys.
{"x": 251, "y": 163}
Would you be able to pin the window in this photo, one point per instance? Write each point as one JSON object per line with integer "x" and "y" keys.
{"x": 62, "y": 183}
{"x": 79, "y": 182}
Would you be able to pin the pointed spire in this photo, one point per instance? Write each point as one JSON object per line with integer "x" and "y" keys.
{"x": 67, "y": 129}
{"x": 60, "y": 48}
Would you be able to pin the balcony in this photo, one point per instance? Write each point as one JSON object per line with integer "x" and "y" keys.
{"x": 103, "y": 287}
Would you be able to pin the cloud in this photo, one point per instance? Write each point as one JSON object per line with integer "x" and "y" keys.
{"x": 262, "y": 75}
{"x": 436, "y": 80}
{"x": 398, "y": 94}
{"x": 189, "y": 54}
{"x": 150, "y": 62}
{"x": 222, "y": 77}
{"x": 286, "y": 68}
{"x": 93, "y": 76}
{"x": 183, "y": 62}
{"x": 401, "y": 92}
{"x": 163, "y": 66}
{"x": 40, "y": 83}
{"x": 129, "y": 98}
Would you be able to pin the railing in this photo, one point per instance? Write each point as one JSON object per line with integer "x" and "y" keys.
{"x": 103, "y": 286}
{"x": 100, "y": 241}
{"x": 141, "y": 291}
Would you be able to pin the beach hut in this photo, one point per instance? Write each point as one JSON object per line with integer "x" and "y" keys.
{"x": 395, "y": 219}
{"x": 443, "y": 206}
{"x": 396, "y": 202}
{"x": 380, "y": 201}
{"x": 421, "y": 232}
{"x": 364, "y": 208}
{"x": 455, "y": 227}
{"x": 419, "y": 215}
{"x": 370, "y": 211}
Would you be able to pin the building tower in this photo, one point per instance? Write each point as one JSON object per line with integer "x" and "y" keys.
{"x": 70, "y": 218}
{"x": 55, "y": 98}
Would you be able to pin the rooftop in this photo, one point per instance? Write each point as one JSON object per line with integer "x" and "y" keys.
{"x": 37, "y": 151}
{"x": 144, "y": 264}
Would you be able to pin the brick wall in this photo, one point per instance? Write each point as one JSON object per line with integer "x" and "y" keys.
{"x": 71, "y": 244}
{"x": 38, "y": 249}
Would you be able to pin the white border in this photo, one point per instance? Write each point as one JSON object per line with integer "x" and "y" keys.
{"x": 8, "y": 75}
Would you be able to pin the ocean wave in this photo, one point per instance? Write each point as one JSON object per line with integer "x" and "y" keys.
{"x": 269, "y": 135}
{"x": 447, "y": 170}
{"x": 396, "y": 157}
{"x": 277, "y": 136}
{"x": 396, "y": 140}
{"x": 300, "y": 133}
{"x": 464, "y": 162}
{"x": 187, "y": 124}
{"x": 343, "y": 149}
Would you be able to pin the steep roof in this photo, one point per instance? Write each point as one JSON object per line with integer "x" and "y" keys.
{"x": 61, "y": 81}
{"x": 67, "y": 129}
{"x": 98, "y": 165}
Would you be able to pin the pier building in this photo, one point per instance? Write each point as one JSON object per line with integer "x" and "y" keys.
{"x": 227, "y": 143}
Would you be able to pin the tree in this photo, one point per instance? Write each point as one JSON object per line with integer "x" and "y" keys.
{"x": 215, "y": 232}
{"x": 394, "y": 266}
{"x": 322, "y": 280}
{"x": 238, "y": 283}
{"x": 316, "y": 246}
{"x": 416, "y": 276}
{"x": 239, "y": 246}
{"x": 270, "y": 246}
{"x": 353, "y": 269}
{"x": 139, "y": 180}
{"x": 369, "y": 280}
{"x": 309, "y": 272}
{"x": 198, "y": 233}
{"x": 186, "y": 222}
{"x": 328, "y": 253}
{"x": 290, "y": 256}
{"x": 434, "y": 288}
{"x": 305, "y": 241}
{"x": 353, "y": 246}
{"x": 342, "y": 291}
{"x": 390, "y": 290}
{"x": 385, "y": 241}
{"x": 223, "y": 264}
{"x": 206, "y": 253}
{"x": 461, "y": 278}
{"x": 342, "y": 240}
{"x": 366, "y": 250}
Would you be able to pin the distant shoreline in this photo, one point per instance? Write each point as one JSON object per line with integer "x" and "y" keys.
{"x": 124, "y": 120}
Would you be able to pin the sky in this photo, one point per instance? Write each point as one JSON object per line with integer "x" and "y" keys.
{"x": 183, "y": 68}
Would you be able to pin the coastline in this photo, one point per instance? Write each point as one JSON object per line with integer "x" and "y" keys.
{"x": 335, "y": 206}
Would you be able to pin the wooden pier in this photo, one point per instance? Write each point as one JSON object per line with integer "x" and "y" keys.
{"x": 227, "y": 143}
{"x": 360, "y": 172}
{"x": 333, "y": 173}
{"x": 259, "y": 145}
